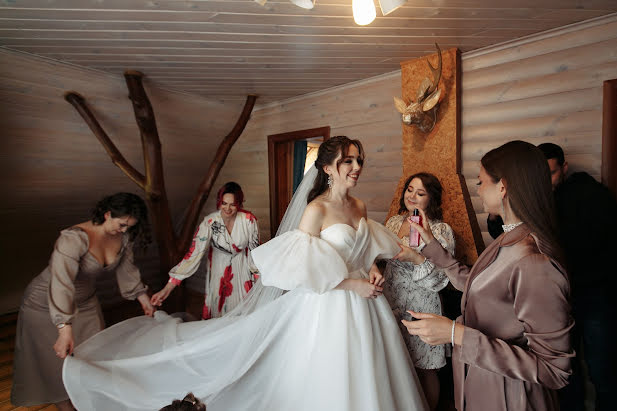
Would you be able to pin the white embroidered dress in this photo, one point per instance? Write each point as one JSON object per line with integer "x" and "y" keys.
{"x": 230, "y": 273}
{"x": 415, "y": 287}
{"x": 314, "y": 348}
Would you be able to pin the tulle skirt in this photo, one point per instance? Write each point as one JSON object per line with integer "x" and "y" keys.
{"x": 303, "y": 351}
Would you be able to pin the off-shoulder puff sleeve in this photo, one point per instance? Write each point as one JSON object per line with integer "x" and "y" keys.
{"x": 190, "y": 263}
{"x": 382, "y": 243}
{"x": 70, "y": 247}
{"x": 298, "y": 260}
{"x": 127, "y": 275}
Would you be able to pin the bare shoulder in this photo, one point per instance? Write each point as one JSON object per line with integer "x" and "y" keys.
{"x": 361, "y": 207}
{"x": 312, "y": 218}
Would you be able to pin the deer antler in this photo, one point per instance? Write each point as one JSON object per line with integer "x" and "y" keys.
{"x": 436, "y": 72}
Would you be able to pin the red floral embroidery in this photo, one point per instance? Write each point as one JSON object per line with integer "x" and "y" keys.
{"x": 210, "y": 221}
{"x": 250, "y": 217}
{"x": 192, "y": 248}
{"x": 248, "y": 285}
{"x": 236, "y": 249}
{"x": 205, "y": 314}
{"x": 190, "y": 252}
{"x": 256, "y": 277}
{"x": 225, "y": 287}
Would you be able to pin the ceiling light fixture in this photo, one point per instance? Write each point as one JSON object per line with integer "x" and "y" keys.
{"x": 388, "y": 6}
{"x": 363, "y": 10}
{"x": 305, "y": 4}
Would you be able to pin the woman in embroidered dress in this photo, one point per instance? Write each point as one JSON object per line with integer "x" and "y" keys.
{"x": 414, "y": 284}
{"x": 227, "y": 236}
{"x": 60, "y": 310}
{"x": 512, "y": 342}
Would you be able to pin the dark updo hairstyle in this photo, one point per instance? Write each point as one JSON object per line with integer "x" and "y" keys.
{"x": 524, "y": 171}
{"x": 329, "y": 150}
{"x": 188, "y": 403}
{"x": 230, "y": 188}
{"x": 121, "y": 205}
{"x": 433, "y": 188}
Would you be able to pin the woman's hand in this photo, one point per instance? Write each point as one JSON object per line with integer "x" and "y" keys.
{"x": 64, "y": 344}
{"x": 146, "y": 305}
{"x": 409, "y": 255}
{"x": 375, "y": 276}
{"x": 158, "y": 298}
{"x": 364, "y": 288}
{"x": 434, "y": 329}
{"x": 424, "y": 229}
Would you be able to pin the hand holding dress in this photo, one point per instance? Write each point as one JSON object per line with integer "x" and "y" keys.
{"x": 63, "y": 293}
{"x": 313, "y": 348}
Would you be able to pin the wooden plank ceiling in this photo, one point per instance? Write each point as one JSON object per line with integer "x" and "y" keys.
{"x": 226, "y": 49}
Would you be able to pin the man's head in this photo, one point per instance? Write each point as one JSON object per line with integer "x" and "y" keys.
{"x": 556, "y": 162}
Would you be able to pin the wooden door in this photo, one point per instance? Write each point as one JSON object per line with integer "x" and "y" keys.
{"x": 280, "y": 154}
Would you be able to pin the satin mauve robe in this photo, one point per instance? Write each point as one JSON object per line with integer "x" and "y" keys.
{"x": 516, "y": 347}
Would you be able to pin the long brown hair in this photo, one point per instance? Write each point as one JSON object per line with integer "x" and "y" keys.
{"x": 328, "y": 151}
{"x": 524, "y": 171}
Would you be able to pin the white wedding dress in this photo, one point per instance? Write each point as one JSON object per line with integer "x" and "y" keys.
{"x": 313, "y": 348}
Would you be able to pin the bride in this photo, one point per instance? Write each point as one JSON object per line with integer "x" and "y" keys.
{"x": 329, "y": 343}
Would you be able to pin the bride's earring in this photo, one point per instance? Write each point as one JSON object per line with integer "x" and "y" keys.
{"x": 330, "y": 181}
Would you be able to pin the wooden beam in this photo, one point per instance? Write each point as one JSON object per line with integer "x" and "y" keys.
{"x": 213, "y": 171}
{"x": 117, "y": 158}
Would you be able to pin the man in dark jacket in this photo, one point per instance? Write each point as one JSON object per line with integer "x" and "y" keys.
{"x": 587, "y": 217}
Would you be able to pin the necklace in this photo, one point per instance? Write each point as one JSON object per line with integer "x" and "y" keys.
{"x": 510, "y": 227}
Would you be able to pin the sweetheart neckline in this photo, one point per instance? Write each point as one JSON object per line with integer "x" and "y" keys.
{"x": 345, "y": 224}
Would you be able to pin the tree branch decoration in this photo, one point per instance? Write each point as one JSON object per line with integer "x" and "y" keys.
{"x": 171, "y": 246}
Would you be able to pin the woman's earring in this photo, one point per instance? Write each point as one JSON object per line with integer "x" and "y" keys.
{"x": 330, "y": 180}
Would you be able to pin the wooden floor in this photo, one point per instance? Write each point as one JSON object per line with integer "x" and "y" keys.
{"x": 8, "y": 322}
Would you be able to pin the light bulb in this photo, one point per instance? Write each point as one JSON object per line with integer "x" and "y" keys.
{"x": 363, "y": 11}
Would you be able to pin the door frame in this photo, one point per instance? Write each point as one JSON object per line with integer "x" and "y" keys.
{"x": 276, "y": 142}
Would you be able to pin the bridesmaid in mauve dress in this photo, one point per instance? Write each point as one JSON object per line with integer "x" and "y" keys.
{"x": 59, "y": 309}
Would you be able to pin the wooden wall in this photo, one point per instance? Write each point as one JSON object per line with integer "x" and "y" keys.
{"x": 361, "y": 110}
{"x": 543, "y": 88}
{"x": 546, "y": 88}
{"x": 53, "y": 169}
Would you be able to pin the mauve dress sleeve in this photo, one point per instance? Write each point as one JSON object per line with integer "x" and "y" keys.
{"x": 64, "y": 266}
{"x": 127, "y": 275}
{"x": 540, "y": 294}
{"x": 456, "y": 271}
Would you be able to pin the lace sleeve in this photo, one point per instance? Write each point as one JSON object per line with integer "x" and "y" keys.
{"x": 427, "y": 275}
{"x": 394, "y": 223}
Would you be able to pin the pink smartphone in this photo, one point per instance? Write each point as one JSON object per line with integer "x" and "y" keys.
{"x": 414, "y": 235}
